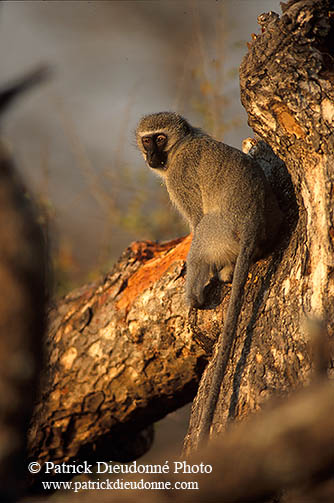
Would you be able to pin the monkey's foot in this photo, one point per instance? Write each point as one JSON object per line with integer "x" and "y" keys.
{"x": 226, "y": 274}
{"x": 195, "y": 301}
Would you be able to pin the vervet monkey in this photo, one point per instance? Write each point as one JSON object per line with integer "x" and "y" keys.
{"x": 230, "y": 208}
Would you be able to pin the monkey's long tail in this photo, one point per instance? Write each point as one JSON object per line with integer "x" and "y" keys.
{"x": 226, "y": 338}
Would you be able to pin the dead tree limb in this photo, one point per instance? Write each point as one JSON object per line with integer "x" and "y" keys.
{"x": 23, "y": 268}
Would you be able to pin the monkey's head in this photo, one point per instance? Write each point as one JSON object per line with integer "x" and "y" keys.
{"x": 157, "y": 133}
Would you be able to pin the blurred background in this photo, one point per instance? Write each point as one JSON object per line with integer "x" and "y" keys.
{"x": 113, "y": 61}
{"x": 73, "y": 137}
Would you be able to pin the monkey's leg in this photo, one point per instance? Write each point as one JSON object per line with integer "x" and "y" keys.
{"x": 214, "y": 248}
{"x": 198, "y": 275}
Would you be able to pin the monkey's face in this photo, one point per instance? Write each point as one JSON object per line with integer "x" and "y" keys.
{"x": 154, "y": 150}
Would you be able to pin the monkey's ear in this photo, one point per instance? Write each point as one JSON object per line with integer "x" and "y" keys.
{"x": 24, "y": 83}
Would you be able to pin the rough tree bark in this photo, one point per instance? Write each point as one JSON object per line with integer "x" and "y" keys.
{"x": 287, "y": 90}
{"x": 126, "y": 351}
{"x": 120, "y": 356}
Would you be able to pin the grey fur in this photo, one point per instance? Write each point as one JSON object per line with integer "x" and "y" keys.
{"x": 230, "y": 208}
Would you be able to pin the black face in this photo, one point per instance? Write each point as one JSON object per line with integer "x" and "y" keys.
{"x": 154, "y": 146}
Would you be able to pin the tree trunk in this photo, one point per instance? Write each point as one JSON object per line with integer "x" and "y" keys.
{"x": 286, "y": 88}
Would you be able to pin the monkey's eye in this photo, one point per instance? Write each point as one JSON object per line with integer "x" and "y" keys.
{"x": 160, "y": 139}
{"x": 146, "y": 141}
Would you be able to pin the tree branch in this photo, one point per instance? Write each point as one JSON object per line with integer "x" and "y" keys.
{"x": 120, "y": 356}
